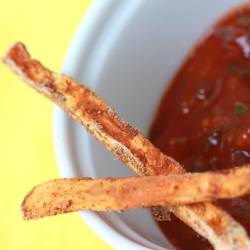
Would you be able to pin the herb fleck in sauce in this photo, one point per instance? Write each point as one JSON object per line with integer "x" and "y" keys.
{"x": 208, "y": 128}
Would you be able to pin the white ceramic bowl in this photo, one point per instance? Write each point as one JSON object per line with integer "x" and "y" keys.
{"x": 127, "y": 51}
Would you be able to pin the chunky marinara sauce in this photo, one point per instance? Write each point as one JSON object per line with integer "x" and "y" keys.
{"x": 203, "y": 120}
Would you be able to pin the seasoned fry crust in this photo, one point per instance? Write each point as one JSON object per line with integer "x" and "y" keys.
{"x": 216, "y": 224}
{"x": 124, "y": 141}
{"x": 68, "y": 195}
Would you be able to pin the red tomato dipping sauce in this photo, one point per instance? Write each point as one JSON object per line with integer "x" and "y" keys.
{"x": 203, "y": 120}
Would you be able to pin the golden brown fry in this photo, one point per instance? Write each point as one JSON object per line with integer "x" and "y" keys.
{"x": 68, "y": 195}
{"x": 124, "y": 141}
{"x": 222, "y": 230}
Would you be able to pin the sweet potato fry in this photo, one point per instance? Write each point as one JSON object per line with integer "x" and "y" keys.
{"x": 68, "y": 195}
{"x": 127, "y": 143}
{"x": 220, "y": 229}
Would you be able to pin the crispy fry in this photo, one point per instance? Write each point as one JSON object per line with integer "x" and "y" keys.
{"x": 68, "y": 195}
{"x": 127, "y": 143}
{"x": 222, "y": 230}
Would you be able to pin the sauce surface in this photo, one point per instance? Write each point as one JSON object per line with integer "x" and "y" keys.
{"x": 203, "y": 120}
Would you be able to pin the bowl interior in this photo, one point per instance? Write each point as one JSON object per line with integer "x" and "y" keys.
{"x": 127, "y": 51}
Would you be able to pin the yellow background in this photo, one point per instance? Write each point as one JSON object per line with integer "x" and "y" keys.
{"x": 26, "y": 147}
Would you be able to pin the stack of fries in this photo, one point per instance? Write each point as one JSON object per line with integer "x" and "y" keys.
{"x": 162, "y": 183}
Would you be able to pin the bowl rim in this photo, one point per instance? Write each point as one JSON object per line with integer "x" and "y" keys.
{"x": 87, "y": 32}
